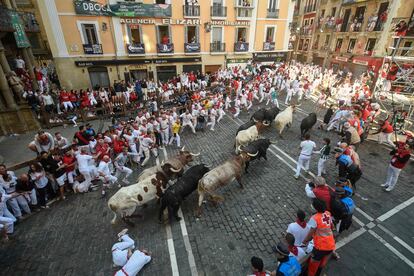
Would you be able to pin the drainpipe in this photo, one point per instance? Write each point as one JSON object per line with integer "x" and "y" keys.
{"x": 111, "y": 29}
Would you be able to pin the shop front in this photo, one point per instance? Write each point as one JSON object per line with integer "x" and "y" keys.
{"x": 339, "y": 63}
{"x": 362, "y": 64}
{"x": 318, "y": 60}
{"x": 235, "y": 62}
{"x": 270, "y": 57}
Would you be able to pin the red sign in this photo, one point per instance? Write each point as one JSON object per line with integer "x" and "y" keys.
{"x": 344, "y": 59}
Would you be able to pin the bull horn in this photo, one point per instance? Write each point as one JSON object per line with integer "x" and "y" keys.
{"x": 175, "y": 170}
{"x": 182, "y": 149}
{"x": 195, "y": 154}
{"x": 266, "y": 124}
{"x": 253, "y": 155}
{"x": 239, "y": 149}
{"x": 273, "y": 141}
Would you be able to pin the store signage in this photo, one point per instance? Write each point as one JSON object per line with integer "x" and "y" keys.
{"x": 241, "y": 47}
{"x": 136, "y": 48}
{"x": 168, "y": 21}
{"x": 237, "y": 60}
{"x": 269, "y": 46}
{"x": 192, "y": 47}
{"x": 272, "y": 57}
{"x": 344, "y": 59}
{"x": 92, "y": 49}
{"x": 131, "y": 61}
{"x": 123, "y": 9}
{"x": 165, "y": 48}
{"x": 230, "y": 23}
{"x": 360, "y": 62}
{"x": 19, "y": 33}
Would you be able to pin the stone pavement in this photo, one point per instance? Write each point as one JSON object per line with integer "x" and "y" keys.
{"x": 74, "y": 237}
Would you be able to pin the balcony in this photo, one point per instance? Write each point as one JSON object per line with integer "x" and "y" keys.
{"x": 92, "y": 49}
{"x": 241, "y": 47}
{"x": 244, "y": 8}
{"x": 310, "y": 9}
{"x": 218, "y": 11}
{"x": 191, "y": 10}
{"x": 272, "y": 13}
{"x": 136, "y": 48}
{"x": 217, "y": 47}
{"x": 269, "y": 46}
{"x": 165, "y": 48}
{"x": 5, "y": 20}
{"x": 29, "y": 21}
{"x": 192, "y": 48}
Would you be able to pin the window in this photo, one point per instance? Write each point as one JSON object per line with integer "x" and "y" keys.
{"x": 333, "y": 12}
{"x": 162, "y": 1}
{"x": 134, "y": 34}
{"x": 338, "y": 45}
{"x": 300, "y": 47}
{"x": 316, "y": 43}
{"x": 370, "y": 45}
{"x": 408, "y": 48}
{"x": 217, "y": 34}
{"x": 241, "y": 34}
{"x": 326, "y": 44}
{"x": 191, "y": 34}
{"x": 272, "y": 5}
{"x": 89, "y": 34}
{"x": 323, "y": 13}
{"x": 163, "y": 34}
{"x": 34, "y": 40}
{"x": 270, "y": 34}
{"x": 351, "y": 45}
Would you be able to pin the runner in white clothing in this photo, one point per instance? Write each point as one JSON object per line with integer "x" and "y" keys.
{"x": 237, "y": 105}
{"x": 165, "y": 129}
{"x": 307, "y": 148}
{"x": 187, "y": 121}
{"x": 135, "y": 263}
{"x": 212, "y": 116}
{"x": 122, "y": 250}
{"x": 120, "y": 167}
{"x": 105, "y": 174}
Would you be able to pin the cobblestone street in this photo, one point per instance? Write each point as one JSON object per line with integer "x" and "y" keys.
{"x": 74, "y": 237}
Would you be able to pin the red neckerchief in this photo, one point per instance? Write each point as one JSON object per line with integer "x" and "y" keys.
{"x": 293, "y": 249}
{"x": 260, "y": 273}
{"x": 301, "y": 223}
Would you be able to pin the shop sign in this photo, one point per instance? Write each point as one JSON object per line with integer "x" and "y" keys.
{"x": 344, "y": 59}
{"x": 92, "y": 49}
{"x": 272, "y": 57}
{"x": 360, "y": 62}
{"x": 19, "y": 33}
{"x": 123, "y": 9}
{"x": 167, "y": 21}
{"x": 241, "y": 47}
{"x": 131, "y": 61}
{"x": 136, "y": 48}
{"x": 192, "y": 47}
{"x": 165, "y": 48}
{"x": 237, "y": 60}
{"x": 230, "y": 23}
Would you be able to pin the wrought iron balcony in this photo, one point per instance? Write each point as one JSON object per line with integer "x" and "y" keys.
{"x": 218, "y": 11}
{"x": 217, "y": 47}
{"x": 244, "y": 8}
{"x": 29, "y": 21}
{"x": 241, "y": 46}
{"x": 191, "y": 10}
{"x": 92, "y": 49}
{"x": 272, "y": 13}
{"x": 192, "y": 47}
{"x": 136, "y": 48}
{"x": 268, "y": 46}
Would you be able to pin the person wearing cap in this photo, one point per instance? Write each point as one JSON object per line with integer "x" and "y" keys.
{"x": 257, "y": 267}
{"x": 320, "y": 190}
{"x": 307, "y": 146}
{"x": 323, "y": 239}
{"x": 400, "y": 157}
{"x": 351, "y": 136}
{"x": 288, "y": 265}
{"x": 343, "y": 208}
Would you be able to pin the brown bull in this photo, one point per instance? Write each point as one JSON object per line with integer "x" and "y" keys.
{"x": 221, "y": 176}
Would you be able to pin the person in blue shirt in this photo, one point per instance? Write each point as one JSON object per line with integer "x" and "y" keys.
{"x": 288, "y": 265}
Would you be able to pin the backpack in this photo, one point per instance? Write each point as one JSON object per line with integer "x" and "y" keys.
{"x": 338, "y": 208}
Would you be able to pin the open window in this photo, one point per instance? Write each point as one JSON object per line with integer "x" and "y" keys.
{"x": 192, "y": 34}
{"x": 163, "y": 34}
{"x": 270, "y": 34}
{"x": 351, "y": 45}
{"x": 369, "y": 47}
{"x": 338, "y": 45}
{"x": 135, "y": 34}
{"x": 241, "y": 34}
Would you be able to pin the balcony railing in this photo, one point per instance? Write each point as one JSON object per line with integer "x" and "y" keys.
{"x": 136, "y": 48}
{"x": 218, "y": 11}
{"x": 217, "y": 47}
{"x": 268, "y": 46}
{"x": 92, "y": 49}
{"x": 241, "y": 46}
{"x": 27, "y": 20}
{"x": 272, "y": 13}
{"x": 244, "y": 8}
{"x": 191, "y": 10}
{"x": 5, "y": 20}
{"x": 192, "y": 47}
{"x": 310, "y": 8}
{"x": 165, "y": 48}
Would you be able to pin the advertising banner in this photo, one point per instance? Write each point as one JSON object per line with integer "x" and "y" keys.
{"x": 192, "y": 47}
{"x": 19, "y": 33}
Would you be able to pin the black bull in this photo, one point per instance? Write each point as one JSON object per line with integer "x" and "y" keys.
{"x": 256, "y": 150}
{"x": 307, "y": 123}
{"x": 266, "y": 116}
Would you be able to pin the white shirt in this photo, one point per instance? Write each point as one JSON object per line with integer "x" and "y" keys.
{"x": 20, "y": 63}
{"x": 83, "y": 161}
{"x": 3, "y": 200}
{"x": 135, "y": 263}
{"x": 146, "y": 142}
{"x": 186, "y": 118}
{"x": 47, "y": 100}
{"x": 104, "y": 168}
{"x": 10, "y": 185}
{"x": 307, "y": 147}
{"x": 301, "y": 254}
{"x": 298, "y": 232}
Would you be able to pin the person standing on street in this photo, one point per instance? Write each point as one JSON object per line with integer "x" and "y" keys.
{"x": 307, "y": 147}
{"x": 288, "y": 265}
{"x": 324, "y": 155}
{"x": 400, "y": 157}
{"x": 321, "y": 232}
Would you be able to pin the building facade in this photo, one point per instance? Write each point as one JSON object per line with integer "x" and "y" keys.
{"x": 349, "y": 34}
{"x": 95, "y": 43}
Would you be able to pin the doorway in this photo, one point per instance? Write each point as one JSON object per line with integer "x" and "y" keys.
{"x": 165, "y": 73}
{"x": 192, "y": 68}
{"x": 139, "y": 74}
{"x": 99, "y": 76}
{"x": 346, "y": 19}
{"x": 209, "y": 69}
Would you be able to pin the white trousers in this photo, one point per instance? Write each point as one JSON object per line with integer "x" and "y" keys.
{"x": 303, "y": 162}
{"x": 221, "y": 114}
{"x": 108, "y": 180}
{"x": 387, "y": 137}
{"x": 147, "y": 153}
{"x": 190, "y": 124}
{"x": 8, "y": 223}
{"x": 165, "y": 135}
{"x": 212, "y": 122}
{"x": 237, "y": 112}
{"x": 31, "y": 197}
{"x": 321, "y": 166}
{"x": 288, "y": 98}
{"x": 133, "y": 148}
{"x": 17, "y": 204}
{"x": 123, "y": 169}
{"x": 89, "y": 173}
{"x": 392, "y": 176}
{"x": 175, "y": 137}
{"x": 67, "y": 105}
{"x": 120, "y": 250}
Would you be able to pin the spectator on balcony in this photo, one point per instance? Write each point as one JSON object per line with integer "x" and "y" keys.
{"x": 400, "y": 31}
{"x": 20, "y": 66}
{"x": 372, "y": 21}
{"x": 383, "y": 18}
{"x": 165, "y": 39}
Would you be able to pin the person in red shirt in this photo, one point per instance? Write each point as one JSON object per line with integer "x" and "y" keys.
{"x": 319, "y": 189}
{"x": 400, "y": 157}
{"x": 85, "y": 100}
{"x": 74, "y": 99}
{"x": 65, "y": 99}
{"x": 69, "y": 160}
{"x": 385, "y": 132}
{"x": 102, "y": 148}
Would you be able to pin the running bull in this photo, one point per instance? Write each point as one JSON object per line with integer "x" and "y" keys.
{"x": 256, "y": 150}
{"x": 266, "y": 116}
{"x": 178, "y": 162}
{"x": 174, "y": 195}
{"x": 247, "y": 136}
{"x": 221, "y": 176}
{"x": 307, "y": 124}
{"x": 124, "y": 202}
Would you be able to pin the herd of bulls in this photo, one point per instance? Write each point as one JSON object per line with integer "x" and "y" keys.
{"x": 153, "y": 182}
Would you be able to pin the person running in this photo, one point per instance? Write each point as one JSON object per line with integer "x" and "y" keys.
{"x": 323, "y": 156}
{"x": 400, "y": 157}
{"x": 307, "y": 147}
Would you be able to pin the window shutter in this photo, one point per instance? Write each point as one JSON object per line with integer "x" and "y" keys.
{"x": 158, "y": 34}
{"x": 198, "y": 34}
{"x": 186, "y": 34}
